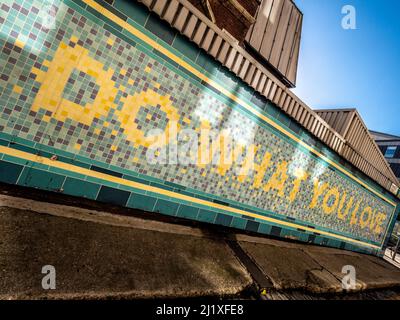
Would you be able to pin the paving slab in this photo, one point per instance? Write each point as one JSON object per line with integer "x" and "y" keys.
{"x": 290, "y": 268}
{"x": 371, "y": 272}
{"x": 95, "y": 260}
{"x": 318, "y": 269}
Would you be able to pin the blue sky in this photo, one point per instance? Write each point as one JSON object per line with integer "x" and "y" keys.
{"x": 352, "y": 68}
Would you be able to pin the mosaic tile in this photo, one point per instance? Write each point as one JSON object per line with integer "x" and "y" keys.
{"x": 96, "y": 93}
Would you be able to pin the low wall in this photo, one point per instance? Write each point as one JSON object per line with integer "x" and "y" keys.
{"x": 126, "y": 111}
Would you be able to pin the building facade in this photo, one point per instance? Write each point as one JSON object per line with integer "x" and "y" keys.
{"x": 151, "y": 105}
{"x": 390, "y": 147}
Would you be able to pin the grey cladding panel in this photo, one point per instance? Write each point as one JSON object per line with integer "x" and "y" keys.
{"x": 276, "y": 36}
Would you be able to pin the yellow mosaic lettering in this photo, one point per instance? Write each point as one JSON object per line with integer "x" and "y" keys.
{"x": 379, "y": 221}
{"x": 260, "y": 170}
{"x": 203, "y": 151}
{"x": 375, "y": 219}
{"x": 343, "y": 214}
{"x": 220, "y": 146}
{"x": 301, "y": 176}
{"x": 248, "y": 163}
{"x": 354, "y": 214}
{"x": 278, "y": 179}
{"x": 334, "y": 192}
{"x": 318, "y": 190}
{"x": 364, "y": 223}
{"x": 157, "y": 151}
{"x": 54, "y": 80}
{"x": 131, "y": 107}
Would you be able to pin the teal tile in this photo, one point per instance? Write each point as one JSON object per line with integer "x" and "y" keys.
{"x": 143, "y": 202}
{"x": 78, "y": 2}
{"x": 66, "y": 172}
{"x": 23, "y": 148}
{"x": 102, "y": 182}
{"x": 189, "y": 212}
{"x": 166, "y": 207}
{"x": 133, "y": 10}
{"x": 80, "y": 188}
{"x": 287, "y": 233}
{"x": 211, "y": 66}
{"x": 41, "y": 166}
{"x": 202, "y": 58}
{"x": 187, "y": 48}
{"x": 160, "y": 28}
{"x": 23, "y": 141}
{"x": 238, "y": 223}
{"x": 96, "y": 14}
{"x": 206, "y": 216}
{"x": 252, "y": 225}
{"x": 223, "y": 219}
{"x": 264, "y": 228}
{"x": 130, "y": 189}
{"x": 36, "y": 178}
{"x": 113, "y": 196}
{"x": 20, "y": 161}
{"x": 9, "y": 172}
{"x": 303, "y": 236}
{"x": 190, "y": 96}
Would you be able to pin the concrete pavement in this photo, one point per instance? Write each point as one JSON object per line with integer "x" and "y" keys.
{"x": 95, "y": 260}
{"x": 98, "y": 254}
{"x": 293, "y": 266}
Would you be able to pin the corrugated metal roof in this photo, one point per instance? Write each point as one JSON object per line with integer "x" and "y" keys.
{"x": 352, "y": 128}
{"x": 276, "y": 36}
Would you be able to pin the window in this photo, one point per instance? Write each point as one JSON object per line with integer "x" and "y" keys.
{"x": 390, "y": 151}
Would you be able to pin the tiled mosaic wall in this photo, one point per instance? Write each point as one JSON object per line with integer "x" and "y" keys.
{"x": 81, "y": 87}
